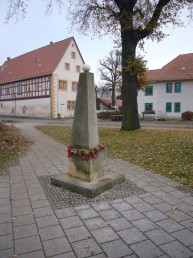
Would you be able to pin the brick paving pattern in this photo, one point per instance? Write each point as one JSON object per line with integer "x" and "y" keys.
{"x": 154, "y": 220}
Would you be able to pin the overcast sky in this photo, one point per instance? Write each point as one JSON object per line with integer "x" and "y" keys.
{"x": 38, "y": 29}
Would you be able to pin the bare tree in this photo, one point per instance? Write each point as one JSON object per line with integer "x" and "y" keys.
{"x": 110, "y": 72}
{"x": 128, "y": 21}
{"x": 102, "y": 91}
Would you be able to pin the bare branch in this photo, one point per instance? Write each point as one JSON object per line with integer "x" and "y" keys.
{"x": 16, "y": 9}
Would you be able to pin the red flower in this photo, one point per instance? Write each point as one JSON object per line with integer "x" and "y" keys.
{"x": 85, "y": 154}
{"x": 69, "y": 151}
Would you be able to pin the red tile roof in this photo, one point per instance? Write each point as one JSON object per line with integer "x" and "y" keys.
{"x": 39, "y": 62}
{"x": 118, "y": 102}
{"x": 180, "y": 68}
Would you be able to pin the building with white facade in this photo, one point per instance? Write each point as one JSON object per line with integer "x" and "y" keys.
{"x": 171, "y": 88}
{"x": 43, "y": 82}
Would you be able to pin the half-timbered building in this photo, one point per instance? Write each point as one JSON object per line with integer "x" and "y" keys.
{"x": 43, "y": 82}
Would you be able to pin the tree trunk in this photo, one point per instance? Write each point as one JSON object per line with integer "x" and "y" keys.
{"x": 113, "y": 95}
{"x": 130, "y": 120}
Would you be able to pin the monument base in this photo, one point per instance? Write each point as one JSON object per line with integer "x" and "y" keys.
{"x": 88, "y": 170}
{"x": 88, "y": 189}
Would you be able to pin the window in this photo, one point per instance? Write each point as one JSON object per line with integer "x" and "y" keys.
{"x": 73, "y": 55}
{"x": 177, "y": 87}
{"x": 7, "y": 90}
{"x": 74, "y": 86}
{"x": 19, "y": 88}
{"x": 70, "y": 105}
{"x": 73, "y": 105}
{"x": 67, "y": 66}
{"x": 78, "y": 69}
{"x": 148, "y": 90}
{"x": 32, "y": 88}
{"x": 62, "y": 85}
{"x": 177, "y": 107}
{"x": 36, "y": 83}
{"x": 1, "y": 91}
{"x": 168, "y": 107}
{"x": 148, "y": 106}
{"x": 65, "y": 85}
{"x": 169, "y": 87}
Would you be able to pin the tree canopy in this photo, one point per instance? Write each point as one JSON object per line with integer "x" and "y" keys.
{"x": 128, "y": 22}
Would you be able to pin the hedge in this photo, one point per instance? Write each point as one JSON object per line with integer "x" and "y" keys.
{"x": 187, "y": 116}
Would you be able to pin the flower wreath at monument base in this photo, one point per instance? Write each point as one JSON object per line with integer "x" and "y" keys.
{"x": 84, "y": 153}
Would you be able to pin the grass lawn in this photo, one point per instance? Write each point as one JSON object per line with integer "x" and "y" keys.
{"x": 165, "y": 151}
{"x": 12, "y": 144}
{"x": 169, "y": 121}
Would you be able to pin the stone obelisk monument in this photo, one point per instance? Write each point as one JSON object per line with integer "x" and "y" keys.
{"x": 88, "y": 172}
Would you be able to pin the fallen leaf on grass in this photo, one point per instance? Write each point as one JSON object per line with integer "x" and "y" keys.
{"x": 87, "y": 246}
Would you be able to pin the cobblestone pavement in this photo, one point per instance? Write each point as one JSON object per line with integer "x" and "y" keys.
{"x": 157, "y": 222}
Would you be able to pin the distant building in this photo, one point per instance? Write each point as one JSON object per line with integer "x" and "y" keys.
{"x": 171, "y": 88}
{"x": 43, "y": 82}
{"x": 106, "y": 104}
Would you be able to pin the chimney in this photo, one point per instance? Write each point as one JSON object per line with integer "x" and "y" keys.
{"x": 8, "y": 59}
{"x": 51, "y": 42}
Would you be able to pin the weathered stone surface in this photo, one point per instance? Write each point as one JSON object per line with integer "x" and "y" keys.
{"x": 88, "y": 177}
{"x": 89, "y": 189}
{"x": 88, "y": 170}
{"x": 84, "y": 129}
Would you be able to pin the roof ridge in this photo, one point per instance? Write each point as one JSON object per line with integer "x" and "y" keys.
{"x": 29, "y": 64}
{"x": 173, "y": 60}
{"x": 37, "y": 49}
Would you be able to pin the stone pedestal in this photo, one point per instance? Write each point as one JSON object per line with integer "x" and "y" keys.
{"x": 88, "y": 177}
{"x": 89, "y": 170}
{"x": 88, "y": 189}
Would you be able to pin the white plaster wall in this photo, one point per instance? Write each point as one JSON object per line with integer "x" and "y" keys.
{"x": 160, "y": 97}
{"x": 61, "y": 74}
{"x": 34, "y": 107}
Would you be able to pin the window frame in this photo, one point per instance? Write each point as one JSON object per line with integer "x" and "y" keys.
{"x": 73, "y": 55}
{"x": 61, "y": 82}
{"x": 71, "y": 105}
{"x": 167, "y": 84}
{"x": 67, "y": 66}
{"x": 175, "y": 110}
{"x": 78, "y": 70}
{"x": 149, "y": 91}
{"x": 76, "y": 86}
{"x": 148, "y": 104}
{"x": 170, "y": 110}
{"x": 65, "y": 81}
{"x": 177, "y": 84}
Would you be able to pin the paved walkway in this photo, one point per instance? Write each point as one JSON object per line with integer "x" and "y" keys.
{"x": 157, "y": 223}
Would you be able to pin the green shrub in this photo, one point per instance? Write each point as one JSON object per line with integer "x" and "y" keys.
{"x": 187, "y": 116}
{"x": 108, "y": 114}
